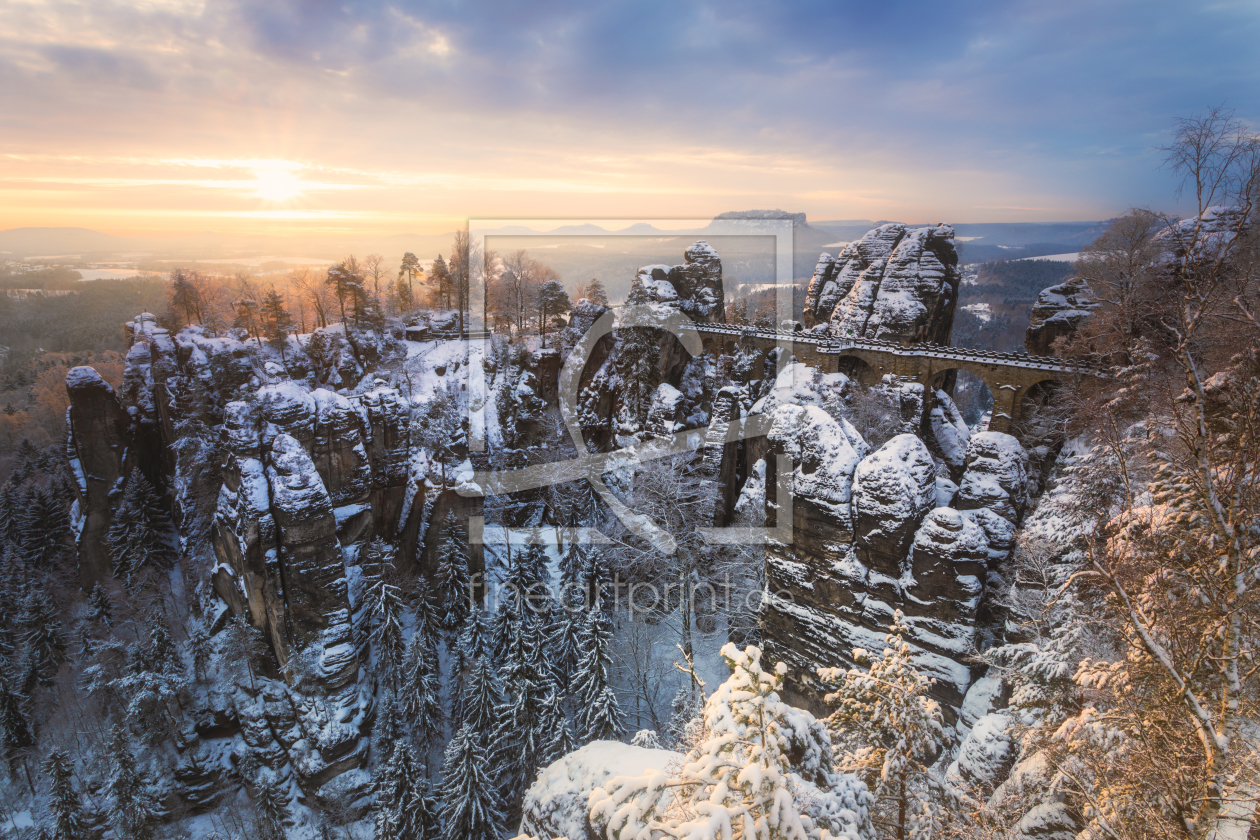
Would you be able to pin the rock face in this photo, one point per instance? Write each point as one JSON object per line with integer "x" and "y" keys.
{"x": 99, "y": 432}
{"x": 695, "y": 287}
{"x": 893, "y": 489}
{"x": 876, "y": 532}
{"x": 894, "y": 284}
{"x": 1058, "y": 312}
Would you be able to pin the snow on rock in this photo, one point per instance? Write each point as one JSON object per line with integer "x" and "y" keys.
{"x": 987, "y": 753}
{"x": 1058, "y": 312}
{"x": 666, "y": 413}
{"x": 695, "y": 287}
{"x": 1048, "y": 821}
{"x": 287, "y": 408}
{"x": 894, "y": 284}
{"x": 556, "y": 803}
{"x": 893, "y": 489}
{"x": 821, "y": 452}
{"x": 948, "y": 433}
{"x": 996, "y": 476}
{"x": 948, "y": 561}
{"x": 982, "y": 698}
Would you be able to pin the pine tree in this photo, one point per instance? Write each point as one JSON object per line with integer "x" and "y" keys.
{"x": 277, "y": 323}
{"x": 273, "y": 806}
{"x": 452, "y": 582}
{"x": 15, "y": 726}
{"x": 564, "y": 642}
{"x": 598, "y": 712}
{"x": 522, "y": 736}
{"x": 740, "y": 780}
{"x": 10, "y": 509}
{"x": 555, "y": 725}
{"x": 100, "y": 610}
{"x": 133, "y": 812}
{"x": 407, "y": 271}
{"x": 44, "y": 638}
{"x": 472, "y": 644}
{"x": 44, "y": 526}
{"x": 596, "y": 293}
{"x": 405, "y": 810}
{"x": 440, "y": 277}
{"x": 201, "y": 648}
{"x": 470, "y": 799}
{"x": 503, "y": 628}
{"x": 421, "y": 702}
{"x": 428, "y": 613}
{"x": 69, "y": 819}
{"x": 482, "y": 698}
{"x": 138, "y": 532}
{"x": 894, "y": 727}
{"x": 385, "y": 603}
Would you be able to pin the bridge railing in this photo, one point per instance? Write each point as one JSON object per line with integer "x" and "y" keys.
{"x": 831, "y": 344}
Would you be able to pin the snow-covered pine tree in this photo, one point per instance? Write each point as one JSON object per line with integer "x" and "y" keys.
{"x": 44, "y": 639}
{"x": 43, "y": 525}
{"x": 405, "y": 810}
{"x": 272, "y": 804}
{"x": 201, "y": 649}
{"x": 596, "y": 293}
{"x": 420, "y": 691}
{"x": 503, "y": 628}
{"x": 428, "y": 614}
{"x": 384, "y": 600}
{"x": 564, "y": 643}
{"x": 277, "y": 323}
{"x": 241, "y": 645}
{"x": 68, "y": 818}
{"x": 133, "y": 811}
{"x": 472, "y": 644}
{"x": 555, "y": 726}
{"x": 451, "y": 581}
{"x": 138, "y": 536}
{"x": 100, "y": 610}
{"x": 892, "y": 729}
{"x": 15, "y": 727}
{"x": 470, "y": 796}
{"x": 740, "y": 781}
{"x": 522, "y": 734}
{"x": 598, "y": 712}
{"x": 482, "y": 699}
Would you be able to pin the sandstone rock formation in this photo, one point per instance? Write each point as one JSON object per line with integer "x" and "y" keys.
{"x": 99, "y": 432}
{"x": 1058, "y": 312}
{"x": 894, "y": 284}
{"x": 695, "y": 287}
{"x": 875, "y": 532}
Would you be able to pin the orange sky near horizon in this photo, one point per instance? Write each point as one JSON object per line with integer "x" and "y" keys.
{"x": 394, "y": 116}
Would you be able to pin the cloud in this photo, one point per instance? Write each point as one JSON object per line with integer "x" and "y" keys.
{"x": 999, "y": 104}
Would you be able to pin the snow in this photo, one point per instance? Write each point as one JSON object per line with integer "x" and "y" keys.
{"x": 556, "y": 803}
{"x": 981, "y": 699}
{"x": 1072, "y": 257}
{"x": 987, "y": 752}
{"x": 896, "y": 483}
{"x": 824, "y": 458}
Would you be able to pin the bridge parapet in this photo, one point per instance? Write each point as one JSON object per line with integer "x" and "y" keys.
{"x": 1009, "y": 376}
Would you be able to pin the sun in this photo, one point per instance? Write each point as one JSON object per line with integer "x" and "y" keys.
{"x": 277, "y": 184}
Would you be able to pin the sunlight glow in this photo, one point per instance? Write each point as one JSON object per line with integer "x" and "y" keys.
{"x": 277, "y": 184}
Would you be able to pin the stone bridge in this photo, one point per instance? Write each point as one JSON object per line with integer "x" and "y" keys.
{"x": 1014, "y": 379}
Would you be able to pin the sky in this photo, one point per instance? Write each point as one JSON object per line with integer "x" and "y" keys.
{"x": 279, "y": 117}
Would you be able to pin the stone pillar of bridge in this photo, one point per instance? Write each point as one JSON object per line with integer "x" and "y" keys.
{"x": 1005, "y": 405}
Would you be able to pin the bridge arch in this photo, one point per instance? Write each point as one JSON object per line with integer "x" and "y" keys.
{"x": 971, "y": 393}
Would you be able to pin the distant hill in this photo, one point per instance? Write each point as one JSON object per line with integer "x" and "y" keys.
{"x": 45, "y": 241}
